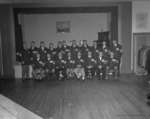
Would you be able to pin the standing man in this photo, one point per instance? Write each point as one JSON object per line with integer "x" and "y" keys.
{"x": 51, "y": 50}
{"x": 117, "y": 49}
{"x": 25, "y": 62}
{"x": 33, "y": 51}
{"x": 42, "y": 51}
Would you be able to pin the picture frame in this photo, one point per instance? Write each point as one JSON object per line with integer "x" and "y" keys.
{"x": 63, "y": 26}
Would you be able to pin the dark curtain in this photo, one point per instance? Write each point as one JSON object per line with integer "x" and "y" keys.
{"x": 147, "y": 65}
{"x": 19, "y": 42}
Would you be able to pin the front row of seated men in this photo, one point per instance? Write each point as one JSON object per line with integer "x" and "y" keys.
{"x": 66, "y": 62}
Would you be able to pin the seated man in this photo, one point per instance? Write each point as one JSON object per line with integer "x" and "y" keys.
{"x": 70, "y": 64}
{"x": 38, "y": 68}
{"x": 60, "y": 66}
{"x": 90, "y": 65}
{"x": 112, "y": 67}
{"x": 79, "y": 69}
{"x": 101, "y": 66}
{"x": 106, "y": 57}
{"x": 50, "y": 66}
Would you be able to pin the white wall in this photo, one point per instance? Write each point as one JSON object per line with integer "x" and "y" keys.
{"x": 140, "y": 24}
{"x": 42, "y": 27}
{"x": 141, "y": 16}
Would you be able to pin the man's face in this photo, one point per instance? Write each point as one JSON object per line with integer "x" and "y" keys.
{"x": 85, "y": 42}
{"x": 80, "y": 43}
{"x": 94, "y": 43}
{"x": 114, "y": 42}
{"x": 69, "y": 54}
{"x": 111, "y": 54}
{"x": 51, "y": 45}
{"x": 42, "y": 44}
{"x": 24, "y": 45}
{"x": 64, "y": 43}
{"x": 32, "y": 44}
{"x": 48, "y": 56}
{"x": 60, "y": 56}
{"x": 100, "y": 54}
{"x": 74, "y": 42}
{"x": 38, "y": 55}
{"x": 104, "y": 43}
{"x": 79, "y": 55}
{"x": 60, "y": 44}
{"x": 89, "y": 54}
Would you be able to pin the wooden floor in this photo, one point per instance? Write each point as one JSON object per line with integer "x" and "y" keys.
{"x": 91, "y": 99}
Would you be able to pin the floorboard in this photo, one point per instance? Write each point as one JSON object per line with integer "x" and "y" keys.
{"x": 73, "y": 99}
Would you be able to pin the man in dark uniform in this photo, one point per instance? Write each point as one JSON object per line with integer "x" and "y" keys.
{"x": 80, "y": 47}
{"x": 79, "y": 69}
{"x": 65, "y": 49}
{"x": 25, "y": 62}
{"x": 65, "y": 46}
{"x": 42, "y": 51}
{"x": 38, "y": 68}
{"x": 70, "y": 64}
{"x": 60, "y": 66}
{"x": 90, "y": 66}
{"x": 51, "y": 50}
{"x": 85, "y": 48}
{"x": 94, "y": 49}
{"x": 112, "y": 67}
{"x": 101, "y": 65}
{"x": 33, "y": 51}
{"x": 117, "y": 49}
{"x": 50, "y": 66}
{"x": 74, "y": 48}
{"x": 59, "y": 47}
{"x": 106, "y": 54}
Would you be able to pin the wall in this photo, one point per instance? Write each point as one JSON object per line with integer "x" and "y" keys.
{"x": 140, "y": 24}
{"x": 141, "y": 16}
{"x": 125, "y": 34}
{"x": 7, "y": 39}
{"x": 42, "y": 27}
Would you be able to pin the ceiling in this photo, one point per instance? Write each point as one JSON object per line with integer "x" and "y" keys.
{"x": 62, "y": 1}
{"x": 37, "y": 3}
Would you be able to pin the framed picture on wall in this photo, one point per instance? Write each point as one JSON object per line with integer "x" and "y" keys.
{"x": 142, "y": 20}
{"x": 63, "y": 26}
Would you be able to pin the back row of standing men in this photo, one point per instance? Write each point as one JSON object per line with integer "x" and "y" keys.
{"x": 77, "y": 60}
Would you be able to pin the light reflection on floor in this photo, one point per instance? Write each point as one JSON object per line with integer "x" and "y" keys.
{"x": 12, "y": 110}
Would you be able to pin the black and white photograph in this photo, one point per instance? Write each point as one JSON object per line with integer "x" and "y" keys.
{"x": 74, "y": 59}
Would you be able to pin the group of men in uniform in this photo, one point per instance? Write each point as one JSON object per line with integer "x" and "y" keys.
{"x": 79, "y": 61}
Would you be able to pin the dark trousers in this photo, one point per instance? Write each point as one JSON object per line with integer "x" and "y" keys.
{"x": 100, "y": 73}
{"x": 25, "y": 71}
{"x": 50, "y": 73}
{"x": 60, "y": 72}
{"x": 89, "y": 72}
